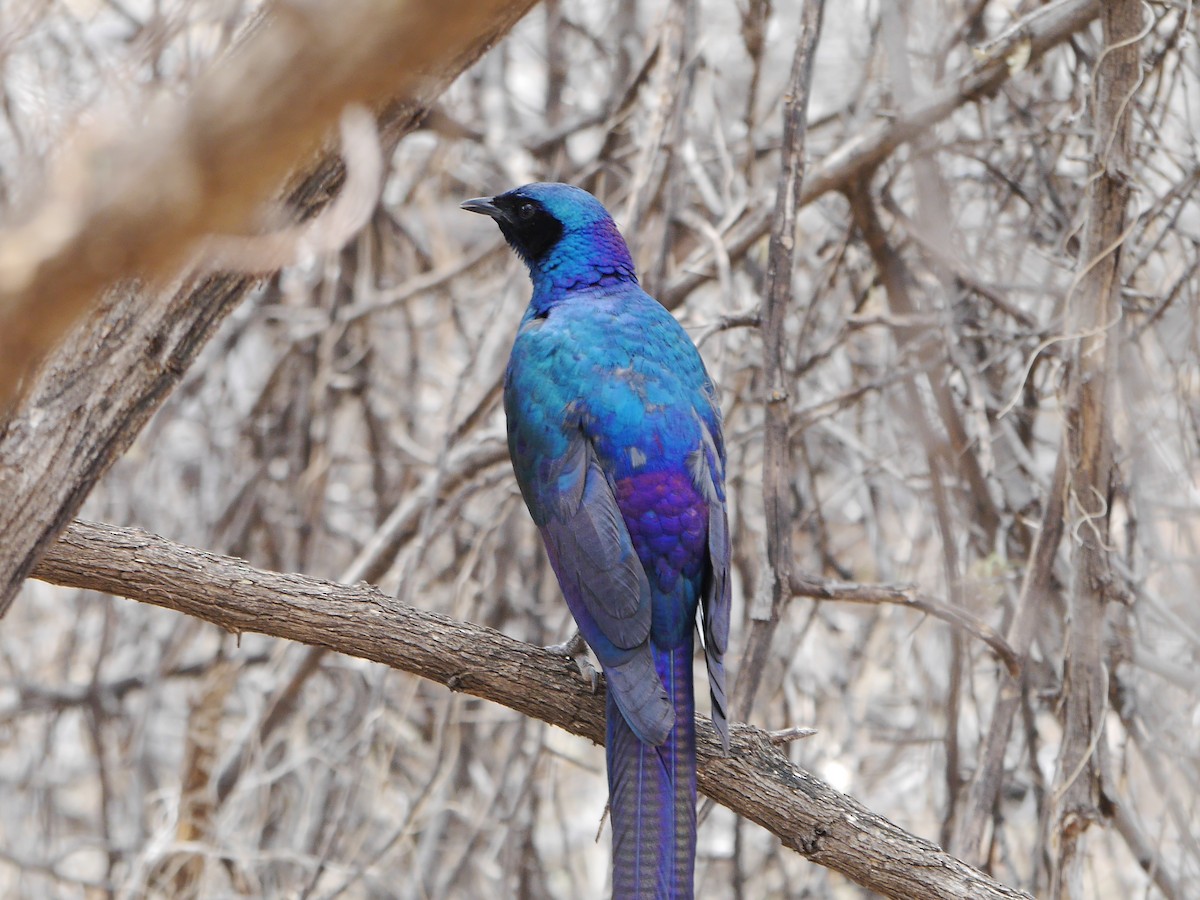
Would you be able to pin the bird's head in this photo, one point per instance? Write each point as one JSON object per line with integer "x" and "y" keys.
{"x": 562, "y": 232}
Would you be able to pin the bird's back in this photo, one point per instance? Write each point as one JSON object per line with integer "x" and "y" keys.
{"x": 618, "y": 367}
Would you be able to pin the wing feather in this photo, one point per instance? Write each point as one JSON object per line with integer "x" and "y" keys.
{"x": 606, "y": 587}
{"x": 715, "y": 601}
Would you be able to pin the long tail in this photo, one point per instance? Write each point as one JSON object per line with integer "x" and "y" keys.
{"x": 652, "y": 792}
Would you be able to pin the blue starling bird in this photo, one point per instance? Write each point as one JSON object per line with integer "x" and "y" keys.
{"x": 615, "y": 436}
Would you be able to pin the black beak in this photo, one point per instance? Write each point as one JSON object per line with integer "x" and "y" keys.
{"x": 483, "y": 205}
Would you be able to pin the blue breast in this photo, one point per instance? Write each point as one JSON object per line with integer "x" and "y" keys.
{"x": 619, "y": 367}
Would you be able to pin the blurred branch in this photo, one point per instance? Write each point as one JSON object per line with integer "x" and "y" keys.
{"x": 1037, "y": 586}
{"x": 1094, "y": 316}
{"x": 1095, "y": 311}
{"x": 756, "y": 780}
{"x": 1165, "y": 785}
{"x": 1039, "y": 32}
{"x": 464, "y": 461}
{"x": 958, "y": 449}
{"x": 34, "y": 697}
{"x": 1147, "y": 855}
{"x": 325, "y": 233}
{"x": 133, "y": 203}
{"x": 777, "y": 462}
{"x": 179, "y": 874}
{"x": 94, "y": 393}
{"x": 803, "y": 585}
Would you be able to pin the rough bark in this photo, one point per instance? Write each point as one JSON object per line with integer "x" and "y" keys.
{"x": 1094, "y": 315}
{"x": 94, "y": 393}
{"x": 756, "y": 780}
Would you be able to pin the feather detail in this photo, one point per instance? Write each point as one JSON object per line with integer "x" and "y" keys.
{"x": 615, "y": 435}
{"x": 653, "y": 795}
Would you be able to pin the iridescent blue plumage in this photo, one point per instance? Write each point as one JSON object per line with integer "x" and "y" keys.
{"x": 615, "y": 437}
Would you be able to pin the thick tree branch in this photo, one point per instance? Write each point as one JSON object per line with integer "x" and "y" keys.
{"x": 134, "y": 203}
{"x": 777, "y": 448}
{"x": 756, "y": 780}
{"x": 98, "y": 388}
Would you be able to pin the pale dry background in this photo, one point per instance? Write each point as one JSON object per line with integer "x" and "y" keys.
{"x": 339, "y": 391}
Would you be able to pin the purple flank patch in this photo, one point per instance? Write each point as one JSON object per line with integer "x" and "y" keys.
{"x": 666, "y": 517}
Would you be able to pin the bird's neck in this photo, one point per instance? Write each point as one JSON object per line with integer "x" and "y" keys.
{"x": 582, "y": 260}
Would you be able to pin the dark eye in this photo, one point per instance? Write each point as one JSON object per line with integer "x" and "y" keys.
{"x": 525, "y": 211}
